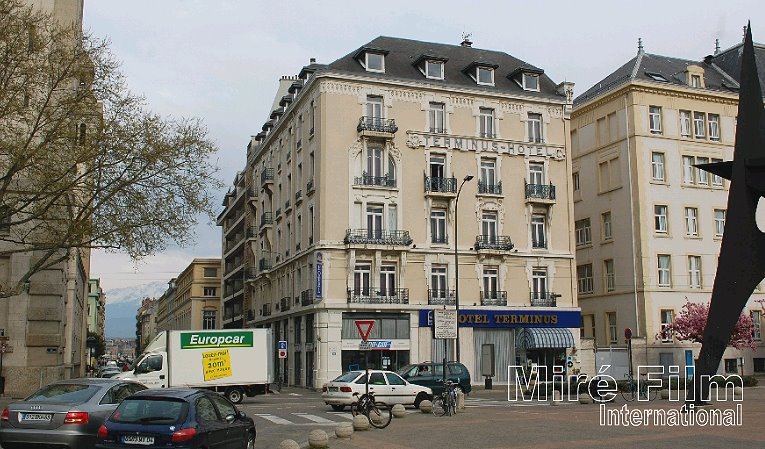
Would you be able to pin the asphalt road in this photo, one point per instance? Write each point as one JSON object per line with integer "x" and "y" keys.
{"x": 489, "y": 421}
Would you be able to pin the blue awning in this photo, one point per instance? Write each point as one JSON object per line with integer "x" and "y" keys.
{"x": 544, "y": 337}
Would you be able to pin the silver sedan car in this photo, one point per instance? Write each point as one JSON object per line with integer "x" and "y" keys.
{"x": 65, "y": 414}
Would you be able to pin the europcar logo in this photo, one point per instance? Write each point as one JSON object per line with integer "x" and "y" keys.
{"x": 198, "y": 340}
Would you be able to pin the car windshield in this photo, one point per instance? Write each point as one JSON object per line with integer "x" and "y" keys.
{"x": 77, "y": 393}
{"x": 150, "y": 411}
{"x": 347, "y": 377}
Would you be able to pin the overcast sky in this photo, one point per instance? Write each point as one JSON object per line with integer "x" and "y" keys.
{"x": 220, "y": 60}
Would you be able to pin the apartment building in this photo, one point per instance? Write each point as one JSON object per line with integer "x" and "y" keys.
{"x": 377, "y": 173}
{"x": 192, "y": 300}
{"x": 649, "y": 222}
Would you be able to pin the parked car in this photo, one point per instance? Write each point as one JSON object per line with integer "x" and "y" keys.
{"x": 64, "y": 414}
{"x": 109, "y": 371}
{"x": 177, "y": 417}
{"x": 387, "y": 387}
{"x": 431, "y": 374}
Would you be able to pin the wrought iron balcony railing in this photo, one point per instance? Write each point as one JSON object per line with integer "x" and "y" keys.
{"x": 490, "y": 189}
{"x": 494, "y": 298}
{"x": 250, "y": 274}
{"x": 298, "y": 196}
{"x": 440, "y": 185}
{"x": 250, "y": 315}
{"x": 285, "y": 303}
{"x": 538, "y": 243}
{"x": 266, "y": 218}
{"x": 306, "y": 297}
{"x": 377, "y": 124}
{"x": 544, "y": 299}
{"x": 367, "y": 180}
{"x": 287, "y": 205}
{"x": 441, "y": 297}
{"x": 267, "y": 175}
{"x": 265, "y": 264}
{"x": 252, "y": 232}
{"x": 497, "y": 242}
{"x": 540, "y": 191}
{"x": 377, "y": 237}
{"x": 375, "y": 296}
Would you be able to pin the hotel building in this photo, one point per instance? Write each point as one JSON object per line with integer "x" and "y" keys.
{"x": 373, "y": 176}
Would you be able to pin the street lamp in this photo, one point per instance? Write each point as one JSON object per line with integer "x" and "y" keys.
{"x": 457, "y": 264}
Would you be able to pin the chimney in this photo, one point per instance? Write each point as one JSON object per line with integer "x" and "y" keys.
{"x": 312, "y": 61}
{"x": 466, "y": 40}
{"x": 717, "y": 46}
{"x": 640, "y": 46}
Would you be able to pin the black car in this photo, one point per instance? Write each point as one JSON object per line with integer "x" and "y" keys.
{"x": 431, "y": 374}
{"x": 177, "y": 418}
{"x": 64, "y": 414}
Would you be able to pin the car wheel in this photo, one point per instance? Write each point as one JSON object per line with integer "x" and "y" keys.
{"x": 422, "y": 396}
{"x": 338, "y": 407}
{"x": 235, "y": 395}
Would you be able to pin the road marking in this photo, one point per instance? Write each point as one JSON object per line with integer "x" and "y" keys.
{"x": 314, "y": 418}
{"x": 273, "y": 419}
{"x": 345, "y": 415}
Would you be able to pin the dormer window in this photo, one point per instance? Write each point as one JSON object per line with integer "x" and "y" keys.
{"x": 431, "y": 66}
{"x": 481, "y": 72}
{"x": 485, "y": 76}
{"x": 694, "y": 76}
{"x": 375, "y": 62}
{"x": 530, "y": 82}
{"x": 527, "y": 78}
{"x": 434, "y": 70}
{"x": 695, "y": 80}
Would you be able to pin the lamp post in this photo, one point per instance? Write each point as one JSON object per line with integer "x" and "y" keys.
{"x": 457, "y": 264}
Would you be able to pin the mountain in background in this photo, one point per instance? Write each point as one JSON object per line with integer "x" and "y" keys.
{"x": 122, "y": 305}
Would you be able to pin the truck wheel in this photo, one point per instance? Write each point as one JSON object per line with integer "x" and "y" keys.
{"x": 235, "y": 395}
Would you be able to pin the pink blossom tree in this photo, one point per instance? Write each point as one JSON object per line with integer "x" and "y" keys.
{"x": 690, "y": 323}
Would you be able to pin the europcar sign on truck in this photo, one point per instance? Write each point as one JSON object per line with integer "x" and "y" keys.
{"x": 196, "y": 340}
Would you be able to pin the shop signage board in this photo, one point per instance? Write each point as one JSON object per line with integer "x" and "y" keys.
{"x": 503, "y": 319}
{"x": 445, "y": 323}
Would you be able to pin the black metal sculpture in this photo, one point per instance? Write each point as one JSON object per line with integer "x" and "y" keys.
{"x": 741, "y": 265}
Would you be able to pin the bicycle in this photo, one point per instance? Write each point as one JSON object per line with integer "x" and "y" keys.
{"x": 638, "y": 390}
{"x": 378, "y": 413}
{"x": 446, "y": 402}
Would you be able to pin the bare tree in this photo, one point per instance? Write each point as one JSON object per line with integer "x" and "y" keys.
{"x": 83, "y": 163}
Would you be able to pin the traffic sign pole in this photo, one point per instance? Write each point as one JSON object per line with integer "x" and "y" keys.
{"x": 628, "y": 337}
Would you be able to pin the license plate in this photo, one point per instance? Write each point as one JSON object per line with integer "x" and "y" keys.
{"x": 333, "y": 389}
{"x": 35, "y": 417}
{"x": 137, "y": 439}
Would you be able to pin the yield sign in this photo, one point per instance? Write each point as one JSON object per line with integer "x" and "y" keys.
{"x": 364, "y": 327}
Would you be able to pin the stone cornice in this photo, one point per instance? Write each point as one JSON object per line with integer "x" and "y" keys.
{"x": 668, "y": 90}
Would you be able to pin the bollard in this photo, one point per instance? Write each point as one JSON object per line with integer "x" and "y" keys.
{"x": 344, "y": 430}
{"x": 665, "y": 394}
{"x": 426, "y": 407}
{"x": 585, "y": 399}
{"x": 289, "y": 444}
{"x": 460, "y": 399}
{"x": 398, "y": 411}
{"x": 556, "y": 398}
{"x": 360, "y": 422}
{"x": 318, "y": 439}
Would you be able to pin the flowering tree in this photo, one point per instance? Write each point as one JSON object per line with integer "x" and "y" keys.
{"x": 690, "y": 323}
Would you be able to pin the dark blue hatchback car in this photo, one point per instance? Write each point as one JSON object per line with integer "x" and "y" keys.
{"x": 177, "y": 418}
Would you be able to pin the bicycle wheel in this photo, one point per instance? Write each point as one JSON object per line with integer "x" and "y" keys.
{"x": 379, "y": 415}
{"x": 629, "y": 392}
{"x": 452, "y": 404}
{"x": 439, "y": 408}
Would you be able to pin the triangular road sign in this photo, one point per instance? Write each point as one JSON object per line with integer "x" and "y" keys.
{"x": 364, "y": 327}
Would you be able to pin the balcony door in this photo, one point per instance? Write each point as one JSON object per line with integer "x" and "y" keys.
{"x": 539, "y": 284}
{"x": 489, "y": 227}
{"x": 362, "y": 276}
{"x": 374, "y": 164}
{"x": 374, "y": 222}
{"x": 438, "y": 283}
{"x": 536, "y": 174}
{"x": 388, "y": 280}
{"x": 374, "y": 108}
{"x": 490, "y": 283}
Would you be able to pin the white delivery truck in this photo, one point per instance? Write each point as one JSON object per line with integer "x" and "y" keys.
{"x": 235, "y": 362}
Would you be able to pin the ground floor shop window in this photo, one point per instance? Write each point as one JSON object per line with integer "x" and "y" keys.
{"x": 388, "y": 360}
